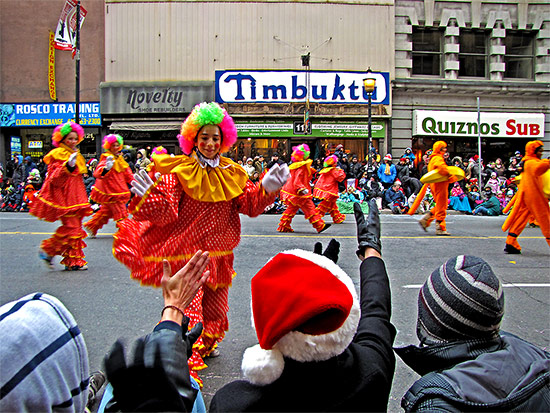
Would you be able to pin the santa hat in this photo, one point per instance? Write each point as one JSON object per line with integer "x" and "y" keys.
{"x": 387, "y": 157}
{"x": 304, "y": 307}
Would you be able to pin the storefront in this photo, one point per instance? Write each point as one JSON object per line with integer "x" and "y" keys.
{"x": 501, "y": 133}
{"x": 26, "y": 128}
{"x": 272, "y": 108}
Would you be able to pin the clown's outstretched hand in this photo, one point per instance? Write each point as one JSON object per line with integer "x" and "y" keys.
{"x": 142, "y": 182}
{"x": 275, "y": 178}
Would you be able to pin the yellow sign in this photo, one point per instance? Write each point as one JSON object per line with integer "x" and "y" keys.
{"x": 51, "y": 68}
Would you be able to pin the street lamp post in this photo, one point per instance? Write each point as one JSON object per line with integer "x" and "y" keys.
{"x": 369, "y": 83}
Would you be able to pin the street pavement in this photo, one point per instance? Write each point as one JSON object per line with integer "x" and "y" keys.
{"x": 108, "y": 305}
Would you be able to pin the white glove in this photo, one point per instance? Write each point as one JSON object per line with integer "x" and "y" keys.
{"x": 109, "y": 162}
{"x": 72, "y": 160}
{"x": 275, "y": 178}
{"x": 142, "y": 182}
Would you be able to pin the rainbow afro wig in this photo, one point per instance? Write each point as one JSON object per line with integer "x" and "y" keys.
{"x": 159, "y": 150}
{"x": 108, "y": 141}
{"x": 63, "y": 130}
{"x": 330, "y": 161}
{"x": 207, "y": 114}
{"x": 300, "y": 153}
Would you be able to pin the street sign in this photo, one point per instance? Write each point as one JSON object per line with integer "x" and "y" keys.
{"x": 300, "y": 129}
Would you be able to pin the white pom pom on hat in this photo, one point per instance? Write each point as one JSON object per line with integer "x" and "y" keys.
{"x": 304, "y": 307}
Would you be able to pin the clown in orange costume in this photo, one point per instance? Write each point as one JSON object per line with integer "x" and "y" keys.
{"x": 296, "y": 193}
{"x": 193, "y": 204}
{"x": 439, "y": 190}
{"x": 530, "y": 200}
{"x": 110, "y": 191}
{"x": 63, "y": 196}
{"x": 326, "y": 189}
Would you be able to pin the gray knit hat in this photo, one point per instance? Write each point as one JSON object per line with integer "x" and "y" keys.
{"x": 462, "y": 299}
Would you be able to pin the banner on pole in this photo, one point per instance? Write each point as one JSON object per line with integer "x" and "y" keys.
{"x": 51, "y": 68}
{"x": 65, "y": 34}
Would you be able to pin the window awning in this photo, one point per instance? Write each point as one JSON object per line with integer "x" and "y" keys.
{"x": 146, "y": 126}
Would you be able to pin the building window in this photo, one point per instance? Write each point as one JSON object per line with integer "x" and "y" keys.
{"x": 427, "y": 51}
{"x": 520, "y": 54}
{"x": 473, "y": 54}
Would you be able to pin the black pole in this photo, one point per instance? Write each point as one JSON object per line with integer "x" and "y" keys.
{"x": 369, "y": 132}
{"x": 77, "y": 66}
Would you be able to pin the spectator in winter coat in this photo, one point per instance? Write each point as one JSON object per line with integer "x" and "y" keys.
{"x": 355, "y": 168}
{"x": 249, "y": 167}
{"x": 275, "y": 160}
{"x": 466, "y": 362}
{"x": 410, "y": 155}
{"x": 395, "y": 199}
{"x": 29, "y": 166}
{"x": 387, "y": 172}
{"x": 18, "y": 172}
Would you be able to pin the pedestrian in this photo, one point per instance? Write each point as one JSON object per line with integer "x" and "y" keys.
{"x": 490, "y": 206}
{"x": 142, "y": 161}
{"x": 249, "y": 167}
{"x": 260, "y": 164}
{"x": 18, "y": 177}
{"x": 63, "y": 197}
{"x": 466, "y": 362}
{"x": 110, "y": 191}
{"x": 326, "y": 189}
{"x": 321, "y": 347}
{"x": 296, "y": 193}
{"x": 192, "y": 204}
{"x": 530, "y": 200}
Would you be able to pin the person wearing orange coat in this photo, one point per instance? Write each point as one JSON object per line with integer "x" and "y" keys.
{"x": 530, "y": 200}
{"x": 296, "y": 193}
{"x": 326, "y": 189}
{"x": 440, "y": 191}
{"x": 110, "y": 191}
{"x": 63, "y": 197}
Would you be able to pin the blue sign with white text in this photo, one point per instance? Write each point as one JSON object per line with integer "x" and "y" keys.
{"x": 48, "y": 114}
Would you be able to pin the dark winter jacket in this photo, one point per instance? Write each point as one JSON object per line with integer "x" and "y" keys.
{"x": 501, "y": 374}
{"x": 359, "y": 379}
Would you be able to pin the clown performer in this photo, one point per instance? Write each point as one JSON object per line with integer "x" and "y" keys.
{"x": 195, "y": 205}
{"x": 110, "y": 191}
{"x": 296, "y": 192}
{"x": 439, "y": 190}
{"x": 63, "y": 197}
{"x": 326, "y": 189}
{"x": 530, "y": 200}
{"x": 157, "y": 150}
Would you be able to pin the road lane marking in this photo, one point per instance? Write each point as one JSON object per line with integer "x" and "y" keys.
{"x": 535, "y": 285}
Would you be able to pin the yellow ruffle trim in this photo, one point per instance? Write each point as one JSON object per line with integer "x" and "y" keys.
{"x": 62, "y": 154}
{"x": 297, "y": 165}
{"x": 120, "y": 164}
{"x": 327, "y": 169}
{"x": 204, "y": 183}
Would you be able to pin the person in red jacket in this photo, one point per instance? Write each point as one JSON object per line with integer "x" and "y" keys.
{"x": 326, "y": 189}
{"x": 63, "y": 196}
{"x": 110, "y": 191}
{"x": 296, "y": 193}
{"x": 530, "y": 200}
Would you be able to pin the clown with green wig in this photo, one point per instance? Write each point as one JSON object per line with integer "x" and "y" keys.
{"x": 63, "y": 197}
{"x": 110, "y": 191}
{"x": 191, "y": 203}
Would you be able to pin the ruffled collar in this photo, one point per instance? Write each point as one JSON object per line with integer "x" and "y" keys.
{"x": 296, "y": 165}
{"x": 120, "y": 164}
{"x": 327, "y": 169}
{"x": 200, "y": 180}
{"x": 62, "y": 154}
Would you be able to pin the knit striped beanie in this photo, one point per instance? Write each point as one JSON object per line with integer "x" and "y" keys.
{"x": 461, "y": 300}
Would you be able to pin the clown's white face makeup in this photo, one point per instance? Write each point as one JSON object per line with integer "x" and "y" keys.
{"x": 209, "y": 140}
{"x": 71, "y": 140}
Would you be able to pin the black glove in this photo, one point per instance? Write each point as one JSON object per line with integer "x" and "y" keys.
{"x": 138, "y": 388}
{"x": 331, "y": 252}
{"x": 368, "y": 233}
{"x": 189, "y": 337}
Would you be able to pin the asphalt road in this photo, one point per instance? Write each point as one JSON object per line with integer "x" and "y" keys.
{"x": 108, "y": 305}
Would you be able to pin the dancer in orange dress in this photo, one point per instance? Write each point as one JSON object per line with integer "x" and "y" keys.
{"x": 296, "y": 193}
{"x": 110, "y": 191}
{"x": 195, "y": 205}
{"x": 326, "y": 189}
{"x": 63, "y": 197}
{"x": 530, "y": 200}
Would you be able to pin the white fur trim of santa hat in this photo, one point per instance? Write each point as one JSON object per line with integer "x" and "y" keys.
{"x": 264, "y": 366}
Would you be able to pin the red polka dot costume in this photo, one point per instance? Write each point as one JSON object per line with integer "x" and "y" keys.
{"x": 110, "y": 191}
{"x": 326, "y": 189}
{"x": 63, "y": 197}
{"x": 195, "y": 204}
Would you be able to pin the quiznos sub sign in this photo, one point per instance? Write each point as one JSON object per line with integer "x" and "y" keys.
{"x": 284, "y": 86}
{"x": 491, "y": 125}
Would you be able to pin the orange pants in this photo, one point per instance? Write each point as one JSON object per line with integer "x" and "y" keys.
{"x": 440, "y": 192}
{"x": 522, "y": 216}
{"x": 67, "y": 242}
{"x": 329, "y": 205}
{"x": 308, "y": 208}
{"x": 115, "y": 211}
